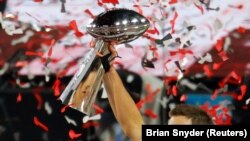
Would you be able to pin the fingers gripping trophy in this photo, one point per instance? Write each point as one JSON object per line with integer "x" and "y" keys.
{"x": 113, "y": 26}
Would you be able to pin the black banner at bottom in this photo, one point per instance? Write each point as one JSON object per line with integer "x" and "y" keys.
{"x": 196, "y": 132}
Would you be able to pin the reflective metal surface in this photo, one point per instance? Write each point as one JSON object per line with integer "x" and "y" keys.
{"x": 119, "y": 25}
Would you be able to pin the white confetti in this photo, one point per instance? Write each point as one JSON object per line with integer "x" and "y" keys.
{"x": 130, "y": 78}
{"x": 4, "y": 68}
{"x": 48, "y": 108}
{"x": 23, "y": 39}
{"x": 172, "y": 106}
{"x": 247, "y": 101}
{"x": 163, "y": 102}
{"x": 70, "y": 121}
{"x": 95, "y": 117}
{"x": 47, "y": 72}
{"x": 207, "y": 58}
{"x": 85, "y": 119}
{"x": 227, "y": 43}
{"x": 217, "y": 25}
{"x": 190, "y": 85}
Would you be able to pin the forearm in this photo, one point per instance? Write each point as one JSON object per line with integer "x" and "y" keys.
{"x": 123, "y": 106}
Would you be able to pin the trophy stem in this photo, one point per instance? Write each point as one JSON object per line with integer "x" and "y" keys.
{"x": 81, "y": 92}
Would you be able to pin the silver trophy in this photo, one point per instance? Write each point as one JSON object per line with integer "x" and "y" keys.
{"x": 119, "y": 25}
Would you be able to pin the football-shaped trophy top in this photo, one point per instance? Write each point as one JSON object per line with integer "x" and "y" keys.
{"x": 119, "y": 25}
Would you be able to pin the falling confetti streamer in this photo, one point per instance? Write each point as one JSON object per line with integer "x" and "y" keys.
{"x": 56, "y": 87}
{"x": 150, "y": 113}
{"x": 173, "y": 1}
{"x": 39, "y": 100}
{"x": 163, "y": 102}
{"x": 207, "y": 58}
{"x": 114, "y": 2}
{"x": 215, "y": 94}
{"x": 98, "y": 109}
{"x": 172, "y": 22}
{"x": 48, "y": 108}
{"x": 73, "y": 134}
{"x": 219, "y": 45}
{"x": 248, "y": 101}
{"x": 63, "y": 109}
{"x": 200, "y": 8}
{"x": 174, "y": 91}
{"x": 223, "y": 55}
{"x": 51, "y": 46}
{"x": 90, "y": 124}
{"x": 207, "y": 70}
{"x": 19, "y": 98}
{"x": 183, "y": 98}
{"x": 87, "y": 11}
{"x": 70, "y": 121}
{"x": 38, "y": 0}
{"x": 241, "y": 29}
{"x": 39, "y": 124}
{"x": 73, "y": 26}
{"x": 243, "y": 89}
{"x": 31, "y": 53}
{"x": 95, "y": 117}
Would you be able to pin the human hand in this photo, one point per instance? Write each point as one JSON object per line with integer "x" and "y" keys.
{"x": 107, "y": 58}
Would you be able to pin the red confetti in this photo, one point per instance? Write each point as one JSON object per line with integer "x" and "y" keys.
{"x": 99, "y": 3}
{"x": 30, "y": 53}
{"x": 153, "y": 31}
{"x": 174, "y": 90}
{"x": 182, "y": 52}
{"x": 216, "y": 66}
{"x": 243, "y": 89}
{"x": 173, "y": 1}
{"x": 150, "y": 113}
{"x": 139, "y": 9}
{"x": 200, "y": 8}
{"x": 64, "y": 108}
{"x": 114, "y": 2}
{"x": 38, "y": 0}
{"x": 215, "y": 94}
{"x": 98, "y": 109}
{"x": 207, "y": 71}
{"x": 233, "y": 78}
{"x": 172, "y": 22}
{"x": 87, "y": 11}
{"x": 150, "y": 94}
{"x": 241, "y": 29}
{"x": 73, "y": 26}
{"x": 165, "y": 64}
{"x": 51, "y": 45}
{"x": 183, "y": 98}
{"x": 90, "y": 124}
{"x": 223, "y": 55}
{"x": 240, "y": 6}
{"x": 39, "y": 100}
{"x": 21, "y": 63}
{"x": 74, "y": 135}
{"x": 38, "y": 123}
{"x": 56, "y": 87}
{"x": 19, "y": 98}
{"x": 140, "y": 103}
{"x": 219, "y": 45}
